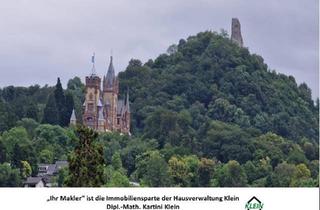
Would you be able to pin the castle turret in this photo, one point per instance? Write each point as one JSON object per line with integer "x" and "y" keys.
{"x": 92, "y": 98}
{"x": 127, "y": 115}
{"x": 236, "y": 32}
{"x": 109, "y": 79}
{"x": 73, "y": 119}
{"x": 110, "y": 95}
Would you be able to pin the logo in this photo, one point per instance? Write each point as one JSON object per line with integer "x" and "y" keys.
{"x": 254, "y": 203}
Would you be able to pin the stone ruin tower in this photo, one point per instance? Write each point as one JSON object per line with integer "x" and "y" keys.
{"x": 236, "y": 32}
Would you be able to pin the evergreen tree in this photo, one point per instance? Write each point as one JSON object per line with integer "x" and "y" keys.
{"x": 17, "y": 156}
{"x": 86, "y": 163}
{"x": 69, "y": 107}
{"x": 32, "y": 111}
{"x": 61, "y": 104}
{"x": 3, "y": 153}
{"x": 50, "y": 114}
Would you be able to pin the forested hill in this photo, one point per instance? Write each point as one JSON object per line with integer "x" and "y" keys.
{"x": 205, "y": 113}
{"x": 207, "y": 77}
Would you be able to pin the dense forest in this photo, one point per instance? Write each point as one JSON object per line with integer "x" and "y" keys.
{"x": 205, "y": 113}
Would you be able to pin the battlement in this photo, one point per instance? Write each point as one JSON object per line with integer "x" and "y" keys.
{"x": 93, "y": 81}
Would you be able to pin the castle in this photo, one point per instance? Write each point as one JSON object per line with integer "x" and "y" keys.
{"x": 102, "y": 110}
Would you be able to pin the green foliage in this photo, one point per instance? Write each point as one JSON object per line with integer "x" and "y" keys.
{"x": 62, "y": 177}
{"x": 118, "y": 180}
{"x": 20, "y": 102}
{"x": 184, "y": 171}
{"x": 50, "y": 113}
{"x": 9, "y": 177}
{"x": 116, "y": 161}
{"x": 284, "y": 174}
{"x": 86, "y": 161}
{"x": 76, "y": 88}
{"x": 231, "y": 84}
{"x": 206, "y": 113}
{"x": 3, "y": 152}
{"x": 52, "y": 142}
{"x": 59, "y": 107}
{"x": 152, "y": 170}
{"x": 232, "y": 175}
{"x": 25, "y": 169}
{"x": 206, "y": 167}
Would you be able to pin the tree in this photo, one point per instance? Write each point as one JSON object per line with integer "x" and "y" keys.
{"x": 56, "y": 140}
{"x": 172, "y": 49}
{"x": 86, "y": 162}
{"x": 60, "y": 100}
{"x": 46, "y": 156}
{"x": 69, "y": 106}
{"x": 283, "y": 174}
{"x": 152, "y": 170}
{"x": 205, "y": 172}
{"x": 3, "y": 152}
{"x": 24, "y": 153}
{"x": 25, "y": 169}
{"x": 51, "y": 114}
{"x": 32, "y": 111}
{"x": 232, "y": 175}
{"x": 178, "y": 171}
{"x": 116, "y": 161}
{"x": 302, "y": 171}
{"x": 76, "y": 88}
{"x": 118, "y": 180}
{"x": 16, "y": 135}
{"x": 29, "y": 124}
{"x": 62, "y": 176}
{"x": 9, "y": 177}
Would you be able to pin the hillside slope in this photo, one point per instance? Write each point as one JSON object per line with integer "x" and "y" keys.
{"x": 207, "y": 77}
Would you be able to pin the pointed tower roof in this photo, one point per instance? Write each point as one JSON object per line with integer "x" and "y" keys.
{"x": 73, "y": 116}
{"x": 128, "y": 102}
{"x": 110, "y": 74}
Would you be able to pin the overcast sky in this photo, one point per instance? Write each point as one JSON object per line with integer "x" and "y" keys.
{"x": 41, "y": 40}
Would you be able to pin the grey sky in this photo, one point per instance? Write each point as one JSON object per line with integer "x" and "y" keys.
{"x": 43, "y": 39}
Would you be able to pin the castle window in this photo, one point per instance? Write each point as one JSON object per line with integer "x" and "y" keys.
{"x": 90, "y": 107}
{"x": 118, "y": 121}
{"x": 90, "y": 122}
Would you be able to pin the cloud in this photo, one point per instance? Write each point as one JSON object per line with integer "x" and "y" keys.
{"x": 41, "y": 40}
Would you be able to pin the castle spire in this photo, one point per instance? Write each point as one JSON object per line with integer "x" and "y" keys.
{"x": 127, "y": 101}
{"x": 236, "y": 32}
{"x": 73, "y": 119}
{"x": 110, "y": 74}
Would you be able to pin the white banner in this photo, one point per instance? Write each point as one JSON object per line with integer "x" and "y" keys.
{"x": 159, "y": 198}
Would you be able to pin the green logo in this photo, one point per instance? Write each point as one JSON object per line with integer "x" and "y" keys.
{"x": 254, "y": 203}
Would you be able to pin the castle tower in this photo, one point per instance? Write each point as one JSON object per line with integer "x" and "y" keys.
{"x": 110, "y": 96}
{"x": 102, "y": 110}
{"x": 73, "y": 120}
{"x": 236, "y": 32}
{"x": 126, "y": 127}
{"x": 92, "y": 99}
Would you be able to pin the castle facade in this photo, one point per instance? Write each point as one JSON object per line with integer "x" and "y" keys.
{"x": 103, "y": 111}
